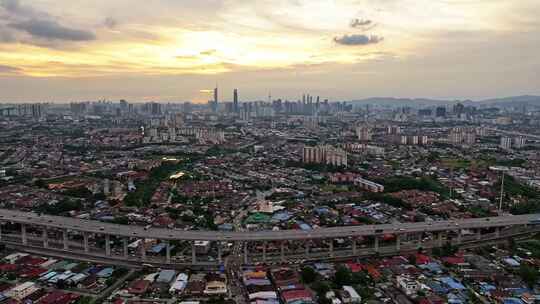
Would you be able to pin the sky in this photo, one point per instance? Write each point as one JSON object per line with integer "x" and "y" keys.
{"x": 177, "y": 50}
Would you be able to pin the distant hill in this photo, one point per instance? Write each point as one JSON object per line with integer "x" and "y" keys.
{"x": 528, "y": 100}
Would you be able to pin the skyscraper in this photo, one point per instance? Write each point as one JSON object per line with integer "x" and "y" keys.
{"x": 215, "y": 102}
{"x": 235, "y": 101}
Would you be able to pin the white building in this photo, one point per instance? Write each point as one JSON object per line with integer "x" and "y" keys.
{"x": 368, "y": 185}
{"x": 349, "y": 295}
{"x": 506, "y": 143}
{"x": 22, "y": 291}
{"x": 324, "y": 155}
{"x": 519, "y": 142}
{"x": 407, "y": 285}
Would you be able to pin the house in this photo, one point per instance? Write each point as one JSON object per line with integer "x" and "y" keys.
{"x": 215, "y": 288}
{"x": 22, "y": 291}
{"x": 349, "y": 295}
{"x": 407, "y": 285}
{"x": 166, "y": 276}
{"x": 138, "y": 287}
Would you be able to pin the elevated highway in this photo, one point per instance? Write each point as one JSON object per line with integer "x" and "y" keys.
{"x": 110, "y": 241}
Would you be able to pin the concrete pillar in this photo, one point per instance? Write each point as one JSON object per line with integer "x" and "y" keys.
{"x": 193, "y": 253}
{"x": 459, "y": 236}
{"x": 264, "y": 251}
{"x": 168, "y": 252}
{"x": 376, "y": 243}
{"x": 85, "y": 242}
{"x": 307, "y": 244}
{"x": 331, "y": 248}
{"x": 65, "y": 238}
{"x": 143, "y": 249}
{"x": 219, "y": 254}
{"x": 246, "y": 252}
{"x": 126, "y": 250}
{"x": 282, "y": 254}
{"x": 497, "y": 232}
{"x": 354, "y": 246}
{"x": 107, "y": 244}
{"x": 479, "y": 234}
{"x": 439, "y": 239}
{"x": 23, "y": 234}
{"x": 45, "y": 236}
{"x": 398, "y": 242}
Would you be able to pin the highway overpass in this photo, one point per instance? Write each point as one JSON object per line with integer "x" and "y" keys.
{"x": 112, "y": 241}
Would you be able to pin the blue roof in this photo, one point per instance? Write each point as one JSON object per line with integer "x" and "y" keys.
{"x": 105, "y": 273}
{"x": 157, "y": 248}
{"x": 437, "y": 287}
{"x": 512, "y": 301}
{"x": 452, "y": 283}
{"x": 485, "y": 287}
{"x": 432, "y": 267}
{"x": 304, "y": 226}
{"x": 225, "y": 226}
{"x": 322, "y": 210}
{"x": 282, "y": 216}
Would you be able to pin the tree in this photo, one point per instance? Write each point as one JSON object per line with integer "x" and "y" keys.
{"x": 321, "y": 288}
{"x": 308, "y": 275}
{"x": 343, "y": 276}
{"x": 529, "y": 274}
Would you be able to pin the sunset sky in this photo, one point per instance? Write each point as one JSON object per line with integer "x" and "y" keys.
{"x": 175, "y": 50}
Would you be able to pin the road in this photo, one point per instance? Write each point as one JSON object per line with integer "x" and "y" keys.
{"x": 131, "y": 231}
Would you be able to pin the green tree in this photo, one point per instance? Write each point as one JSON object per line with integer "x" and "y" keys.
{"x": 529, "y": 274}
{"x": 308, "y": 275}
{"x": 320, "y": 287}
{"x": 343, "y": 276}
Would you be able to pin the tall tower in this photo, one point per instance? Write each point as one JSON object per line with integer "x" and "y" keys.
{"x": 215, "y": 104}
{"x": 235, "y": 101}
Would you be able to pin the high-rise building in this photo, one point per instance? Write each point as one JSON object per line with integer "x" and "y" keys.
{"x": 519, "y": 142}
{"x": 214, "y": 103}
{"x": 324, "y": 155}
{"x": 506, "y": 143}
{"x": 235, "y": 101}
{"x": 440, "y": 112}
{"x": 394, "y": 130}
{"x": 364, "y": 133}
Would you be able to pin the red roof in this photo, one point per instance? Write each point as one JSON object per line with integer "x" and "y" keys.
{"x": 355, "y": 267}
{"x": 32, "y": 272}
{"x": 422, "y": 259}
{"x": 8, "y": 267}
{"x": 373, "y": 272}
{"x": 295, "y": 295}
{"x": 453, "y": 260}
{"x": 138, "y": 287}
{"x": 58, "y": 297}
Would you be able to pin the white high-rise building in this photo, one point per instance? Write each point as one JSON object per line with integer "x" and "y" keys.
{"x": 519, "y": 142}
{"x": 506, "y": 143}
{"x": 324, "y": 155}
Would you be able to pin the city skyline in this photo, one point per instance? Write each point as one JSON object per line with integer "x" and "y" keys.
{"x": 172, "y": 51}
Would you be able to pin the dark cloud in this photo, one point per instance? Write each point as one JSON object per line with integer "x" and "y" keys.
{"x": 356, "y": 23}
{"x": 8, "y": 69}
{"x": 23, "y": 23}
{"x": 14, "y": 8}
{"x": 51, "y": 30}
{"x": 363, "y": 24}
{"x": 110, "y": 23}
{"x": 358, "y": 39}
